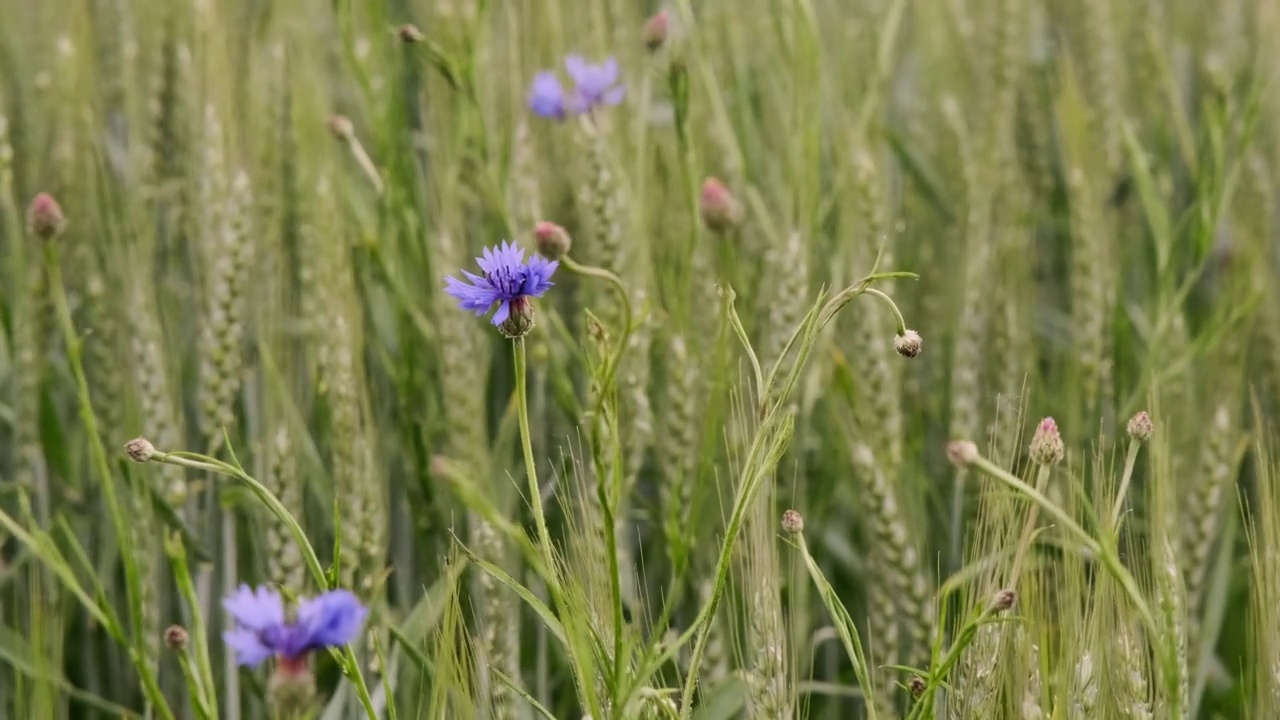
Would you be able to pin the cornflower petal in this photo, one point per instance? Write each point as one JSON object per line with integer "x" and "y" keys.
{"x": 257, "y": 609}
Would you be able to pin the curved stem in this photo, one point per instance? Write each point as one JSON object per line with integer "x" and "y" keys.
{"x": 611, "y": 367}
{"x": 897, "y": 314}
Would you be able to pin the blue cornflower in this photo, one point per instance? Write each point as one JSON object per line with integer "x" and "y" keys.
{"x": 546, "y": 98}
{"x": 594, "y": 86}
{"x": 261, "y": 631}
{"x": 507, "y": 280}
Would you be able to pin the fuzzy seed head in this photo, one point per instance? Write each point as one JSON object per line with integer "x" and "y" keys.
{"x": 792, "y": 522}
{"x": 908, "y": 344}
{"x": 1140, "y": 426}
{"x": 341, "y": 127}
{"x": 1003, "y": 600}
{"x": 719, "y": 208}
{"x": 656, "y": 29}
{"x": 1046, "y": 444}
{"x": 553, "y": 241}
{"x": 962, "y": 453}
{"x": 410, "y": 34}
{"x": 44, "y": 217}
{"x": 140, "y": 450}
{"x": 175, "y": 636}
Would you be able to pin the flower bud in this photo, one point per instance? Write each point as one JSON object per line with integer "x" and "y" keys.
{"x": 908, "y": 344}
{"x": 1140, "y": 427}
{"x": 1003, "y": 600}
{"x": 175, "y": 636}
{"x": 720, "y": 210}
{"x": 409, "y": 34}
{"x": 341, "y": 127}
{"x": 916, "y": 685}
{"x": 1046, "y": 444}
{"x": 553, "y": 241}
{"x": 656, "y": 29}
{"x": 962, "y": 453}
{"x": 520, "y": 321}
{"x": 44, "y": 217}
{"x": 140, "y": 450}
{"x": 792, "y": 522}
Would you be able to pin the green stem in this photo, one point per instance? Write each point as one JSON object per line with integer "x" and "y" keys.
{"x": 1024, "y": 542}
{"x": 530, "y": 467}
{"x": 897, "y": 314}
{"x": 102, "y": 467}
{"x": 1130, "y": 459}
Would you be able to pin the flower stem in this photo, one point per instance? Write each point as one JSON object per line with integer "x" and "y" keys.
{"x": 897, "y": 314}
{"x": 1131, "y": 457}
{"x": 530, "y": 467}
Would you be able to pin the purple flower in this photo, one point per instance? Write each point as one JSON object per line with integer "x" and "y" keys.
{"x": 546, "y": 98}
{"x": 594, "y": 86}
{"x": 261, "y": 631}
{"x": 507, "y": 280}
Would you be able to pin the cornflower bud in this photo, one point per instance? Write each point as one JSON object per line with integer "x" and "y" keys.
{"x": 553, "y": 242}
{"x": 962, "y": 453}
{"x": 44, "y": 217}
{"x": 1003, "y": 600}
{"x": 908, "y": 344}
{"x": 656, "y": 29}
{"x": 719, "y": 208}
{"x": 1046, "y": 444}
{"x": 792, "y": 522}
{"x": 175, "y": 636}
{"x": 140, "y": 450}
{"x": 1140, "y": 427}
{"x": 341, "y": 127}
{"x": 410, "y": 34}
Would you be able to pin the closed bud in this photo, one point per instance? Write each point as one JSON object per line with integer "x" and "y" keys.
{"x": 962, "y": 453}
{"x": 908, "y": 344}
{"x": 140, "y": 450}
{"x": 1046, "y": 444}
{"x": 1140, "y": 427}
{"x": 1003, "y": 600}
{"x": 792, "y": 522}
{"x": 719, "y": 208}
{"x": 916, "y": 685}
{"x": 410, "y": 34}
{"x": 520, "y": 321}
{"x": 292, "y": 687}
{"x": 656, "y": 29}
{"x": 341, "y": 127}
{"x": 175, "y": 636}
{"x": 44, "y": 217}
{"x": 553, "y": 241}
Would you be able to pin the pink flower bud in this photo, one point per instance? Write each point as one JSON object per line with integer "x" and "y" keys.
{"x": 1046, "y": 444}
{"x": 656, "y": 29}
{"x": 720, "y": 210}
{"x": 44, "y": 217}
{"x": 552, "y": 240}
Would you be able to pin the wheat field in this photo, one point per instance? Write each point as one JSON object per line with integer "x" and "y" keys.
{"x": 682, "y": 360}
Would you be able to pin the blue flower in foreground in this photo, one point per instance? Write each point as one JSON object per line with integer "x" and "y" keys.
{"x": 595, "y": 84}
{"x": 507, "y": 280}
{"x": 261, "y": 631}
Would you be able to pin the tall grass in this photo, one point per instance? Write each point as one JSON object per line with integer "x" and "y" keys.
{"x": 837, "y": 259}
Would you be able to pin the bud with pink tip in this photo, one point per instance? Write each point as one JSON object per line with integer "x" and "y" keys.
{"x": 44, "y": 217}
{"x": 719, "y": 208}
{"x": 1140, "y": 427}
{"x": 1003, "y": 600}
{"x": 140, "y": 450}
{"x": 410, "y": 34}
{"x": 553, "y": 241}
{"x": 341, "y": 127}
{"x": 1046, "y": 444}
{"x": 792, "y": 522}
{"x": 656, "y": 30}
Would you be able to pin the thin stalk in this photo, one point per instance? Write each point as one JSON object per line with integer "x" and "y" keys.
{"x": 102, "y": 467}
{"x": 530, "y": 467}
{"x": 1130, "y": 459}
{"x": 1024, "y": 542}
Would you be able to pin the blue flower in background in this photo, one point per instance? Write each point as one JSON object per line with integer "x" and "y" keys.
{"x": 594, "y": 86}
{"x": 261, "y": 631}
{"x": 507, "y": 280}
{"x": 546, "y": 98}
